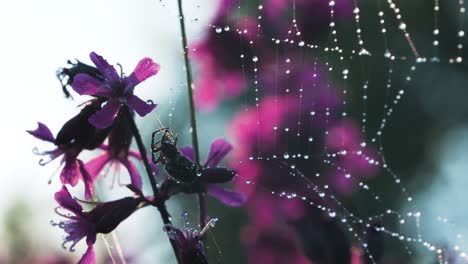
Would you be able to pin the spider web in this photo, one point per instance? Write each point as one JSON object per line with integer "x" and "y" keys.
{"x": 370, "y": 60}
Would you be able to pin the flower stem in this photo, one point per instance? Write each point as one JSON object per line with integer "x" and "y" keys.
{"x": 193, "y": 120}
{"x": 158, "y": 202}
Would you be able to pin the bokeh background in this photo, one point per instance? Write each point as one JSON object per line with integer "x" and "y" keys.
{"x": 426, "y": 138}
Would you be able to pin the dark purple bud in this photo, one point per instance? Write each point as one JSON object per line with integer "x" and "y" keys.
{"x": 120, "y": 136}
{"x": 107, "y": 216}
{"x": 216, "y": 175}
{"x": 79, "y": 133}
{"x": 66, "y": 75}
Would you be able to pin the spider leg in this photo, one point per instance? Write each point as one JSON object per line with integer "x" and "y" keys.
{"x": 161, "y": 129}
{"x": 154, "y": 145}
{"x": 153, "y": 135}
{"x": 156, "y": 160}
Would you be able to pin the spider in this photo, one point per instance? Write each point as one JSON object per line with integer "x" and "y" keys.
{"x": 181, "y": 168}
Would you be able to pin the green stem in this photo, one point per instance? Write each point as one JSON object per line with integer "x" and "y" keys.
{"x": 188, "y": 71}
{"x": 157, "y": 201}
{"x": 193, "y": 120}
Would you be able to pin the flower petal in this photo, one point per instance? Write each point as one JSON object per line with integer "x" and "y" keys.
{"x": 87, "y": 179}
{"x": 105, "y": 117}
{"x": 65, "y": 200}
{"x": 84, "y": 84}
{"x": 95, "y": 166}
{"x": 133, "y": 171}
{"x": 227, "y": 197}
{"x": 42, "y": 132}
{"x": 137, "y": 155}
{"x": 141, "y": 107}
{"x": 105, "y": 68}
{"x": 145, "y": 69}
{"x": 70, "y": 173}
{"x": 89, "y": 257}
{"x": 188, "y": 152}
{"x": 91, "y": 238}
{"x": 219, "y": 149}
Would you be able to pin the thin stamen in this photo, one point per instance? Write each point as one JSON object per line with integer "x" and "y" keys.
{"x": 208, "y": 225}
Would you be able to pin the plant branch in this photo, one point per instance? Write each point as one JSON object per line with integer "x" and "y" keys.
{"x": 193, "y": 120}
{"x": 157, "y": 201}
{"x": 188, "y": 71}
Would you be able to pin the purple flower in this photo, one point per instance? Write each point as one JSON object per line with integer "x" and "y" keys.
{"x": 104, "y": 218}
{"x": 219, "y": 149}
{"x": 188, "y": 242}
{"x": 75, "y": 135}
{"x": 117, "y": 152}
{"x": 116, "y": 159}
{"x": 118, "y": 89}
{"x": 66, "y": 75}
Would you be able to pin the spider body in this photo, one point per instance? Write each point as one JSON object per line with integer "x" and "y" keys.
{"x": 181, "y": 168}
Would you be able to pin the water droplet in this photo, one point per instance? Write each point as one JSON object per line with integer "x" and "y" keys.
{"x": 286, "y": 155}
{"x": 255, "y": 59}
{"x": 218, "y": 30}
{"x": 402, "y": 26}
